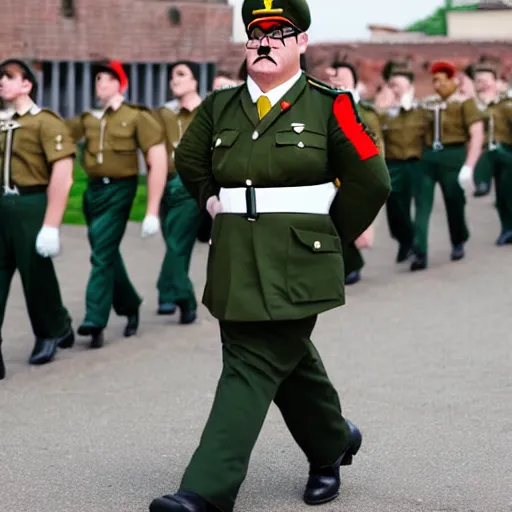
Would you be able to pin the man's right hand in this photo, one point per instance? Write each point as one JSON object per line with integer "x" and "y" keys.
{"x": 213, "y": 206}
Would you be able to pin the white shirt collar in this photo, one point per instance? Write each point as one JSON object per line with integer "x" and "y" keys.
{"x": 275, "y": 94}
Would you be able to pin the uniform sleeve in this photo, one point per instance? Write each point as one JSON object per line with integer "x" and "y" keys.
{"x": 76, "y": 128}
{"x": 472, "y": 113}
{"x": 193, "y": 156}
{"x": 56, "y": 139}
{"x": 364, "y": 178}
{"x": 149, "y": 132}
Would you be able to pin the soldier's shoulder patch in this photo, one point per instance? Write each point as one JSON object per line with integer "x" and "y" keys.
{"x": 227, "y": 88}
{"x": 35, "y": 110}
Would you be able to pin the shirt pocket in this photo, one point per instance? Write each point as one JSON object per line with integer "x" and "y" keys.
{"x": 221, "y": 146}
{"x": 122, "y": 137}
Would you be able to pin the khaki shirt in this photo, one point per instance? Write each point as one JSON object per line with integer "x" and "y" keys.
{"x": 371, "y": 120}
{"x": 39, "y": 139}
{"x": 174, "y": 121}
{"x": 403, "y": 132}
{"x": 498, "y": 127}
{"x": 112, "y": 138}
{"x": 456, "y": 116}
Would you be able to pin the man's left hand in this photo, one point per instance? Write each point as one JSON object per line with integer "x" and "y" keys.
{"x": 48, "y": 242}
{"x": 150, "y": 226}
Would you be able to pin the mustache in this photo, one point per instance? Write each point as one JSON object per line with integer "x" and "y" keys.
{"x": 262, "y": 57}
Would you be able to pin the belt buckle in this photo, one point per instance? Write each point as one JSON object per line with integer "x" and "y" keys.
{"x": 8, "y": 191}
{"x": 437, "y": 146}
{"x": 493, "y": 146}
{"x": 105, "y": 180}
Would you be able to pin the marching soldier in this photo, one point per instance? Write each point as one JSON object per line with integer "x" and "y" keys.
{"x": 403, "y": 128}
{"x": 36, "y": 156}
{"x": 112, "y": 137}
{"x": 496, "y": 160}
{"x": 343, "y": 75}
{"x": 262, "y": 158}
{"x": 180, "y": 216}
{"x": 452, "y": 123}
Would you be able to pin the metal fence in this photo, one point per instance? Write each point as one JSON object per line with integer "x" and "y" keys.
{"x": 67, "y": 87}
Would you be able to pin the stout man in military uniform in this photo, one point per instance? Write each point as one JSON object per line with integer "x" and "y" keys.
{"x": 454, "y": 138}
{"x": 36, "y": 156}
{"x": 112, "y": 137}
{"x": 403, "y": 127}
{"x": 262, "y": 157}
{"x": 180, "y": 216}
{"x": 343, "y": 75}
{"x": 496, "y": 160}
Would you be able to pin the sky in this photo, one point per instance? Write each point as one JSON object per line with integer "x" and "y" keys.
{"x": 334, "y": 20}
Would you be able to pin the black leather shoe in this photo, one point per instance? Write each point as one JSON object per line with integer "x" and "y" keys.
{"x": 132, "y": 326}
{"x": 404, "y": 253}
{"x": 419, "y": 262}
{"x": 481, "y": 190}
{"x": 504, "y": 239}
{"x": 458, "y": 252}
{"x": 324, "y": 482}
{"x": 96, "y": 333}
{"x": 2, "y": 365}
{"x": 166, "y": 309}
{"x": 68, "y": 340}
{"x": 187, "y": 314}
{"x": 181, "y": 502}
{"x": 44, "y": 351}
{"x": 353, "y": 278}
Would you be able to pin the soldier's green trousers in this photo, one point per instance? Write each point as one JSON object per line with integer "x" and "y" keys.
{"x": 484, "y": 169}
{"x": 265, "y": 362}
{"x": 180, "y": 219}
{"x": 352, "y": 258}
{"x": 440, "y": 167}
{"x": 21, "y": 218}
{"x": 107, "y": 205}
{"x": 499, "y": 164}
{"x": 404, "y": 179}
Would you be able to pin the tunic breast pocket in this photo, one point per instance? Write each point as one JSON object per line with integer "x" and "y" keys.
{"x": 222, "y": 143}
{"x": 299, "y": 153}
{"x": 121, "y": 138}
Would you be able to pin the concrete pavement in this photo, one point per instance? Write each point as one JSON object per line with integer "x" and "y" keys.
{"x": 422, "y": 363}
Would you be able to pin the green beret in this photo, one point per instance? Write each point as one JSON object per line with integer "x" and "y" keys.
{"x": 29, "y": 73}
{"x": 295, "y": 12}
{"x": 397, "y": 68}
{"x": 489, "y": 65}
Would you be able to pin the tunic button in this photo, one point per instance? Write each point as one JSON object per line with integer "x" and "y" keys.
{"x": 255, "y": 135}
{"x": 218, "y": 142}
{"x": 300, "y": 144}
{"x": 317, "y": 245}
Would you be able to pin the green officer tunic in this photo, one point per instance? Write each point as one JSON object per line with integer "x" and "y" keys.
{"x": 441, "y": 162}
{"x": 496, "y": 161}
{"x": 180, "y": 217}
{"x": 30, "y": 144}
{"x": 111, "y": 140}
{"x": 268, "y": 279}
{"x": 404, "y": 134}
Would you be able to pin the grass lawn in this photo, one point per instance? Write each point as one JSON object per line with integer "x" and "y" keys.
{"x": 74, "y": 213}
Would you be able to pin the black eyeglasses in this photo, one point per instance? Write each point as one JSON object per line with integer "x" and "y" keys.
{"x": 276, "y": 37}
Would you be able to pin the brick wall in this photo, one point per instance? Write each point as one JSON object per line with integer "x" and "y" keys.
{"x": 129, "y": 30}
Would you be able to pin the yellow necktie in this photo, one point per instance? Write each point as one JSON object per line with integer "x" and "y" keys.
{"x": 264, "y": 106}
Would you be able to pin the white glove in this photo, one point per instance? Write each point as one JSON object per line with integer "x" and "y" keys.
{"x": 213, "y": 206}
{"x": 465, "y": 177}
{"x": 150, "y": 225}
{"x": 48, "y": 242}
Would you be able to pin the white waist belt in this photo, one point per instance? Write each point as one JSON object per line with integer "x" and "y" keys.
{"x": 309, "y": 199}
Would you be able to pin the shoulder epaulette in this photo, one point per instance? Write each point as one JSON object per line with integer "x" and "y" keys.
{"x": 327, "y": 89}
{"x": 227, "y": 88}
{"x": 37, "y": 110}
{"x": 137, "y": 106}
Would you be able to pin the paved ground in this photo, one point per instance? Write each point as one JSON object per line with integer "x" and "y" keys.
{"x": 422, "y": 363}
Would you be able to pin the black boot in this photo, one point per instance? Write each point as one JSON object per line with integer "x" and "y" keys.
{"x": 2, "y": 365}
{"x": 187, "y": 314}
{"x": 181, "y": 502}
{"x": 353, "y": 278}
{"x": 324, "y": 482}
{"x": 132, "y": 326}
{"x": 96, "y": 333}
{"x": 404, "y": 253}
{"x": 458, "y": 252}
{"x": 419, "y": 262}
{"x": 44, "y": 351}
{"x": 68, "y": 340}
{"x": 505, "y": 238}
{"x": 481, "y": 190}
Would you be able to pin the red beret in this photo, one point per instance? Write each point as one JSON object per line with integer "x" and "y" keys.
{"x": 443, "y": 67}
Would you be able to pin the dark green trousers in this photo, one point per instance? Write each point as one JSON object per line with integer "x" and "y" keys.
{"x": 484, "y": 169}
{"x": 107, "y": 208}
{"x": 404, "y": 180}
{"x": 352, "y": 258}
{"x": 265, "y": 362}
{"x": 181, "y": 219}
{"x": 21, "y": 218}
{"x": 499, "y": 164}
{"x": 440, "y": 167}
